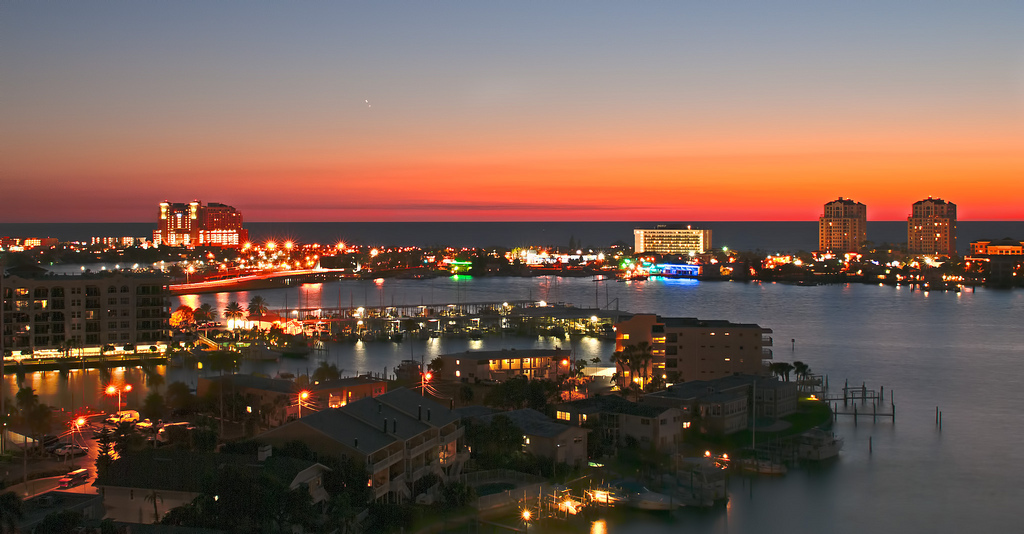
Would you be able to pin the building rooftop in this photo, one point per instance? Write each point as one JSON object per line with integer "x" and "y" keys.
{"x": 345, "y": 428}
{"x": 181, "y": 470}
{"x": 344, "y": 383}
{"x": 706, "y": 389}
{"x": 276, "y": 385}
{"x": 693, "y": 322}
{"x": 484, "y": 355}
{"x": 532, "y": 423}
{"x": 614, "y": 404}
{"x": 408, "y": 401}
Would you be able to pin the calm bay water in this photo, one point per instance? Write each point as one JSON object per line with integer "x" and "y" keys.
{"x": 958, "y": 351}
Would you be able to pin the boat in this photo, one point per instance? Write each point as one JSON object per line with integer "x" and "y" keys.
{"x": 702, "y": 479}
{"x": 818, "y": 444}
{"x": 606, "y": 496}
{"x": 641, "y": 498}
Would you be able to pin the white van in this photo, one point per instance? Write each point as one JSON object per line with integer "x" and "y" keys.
{"x": 125, "y": 416}
{"x": 73, "y": 478}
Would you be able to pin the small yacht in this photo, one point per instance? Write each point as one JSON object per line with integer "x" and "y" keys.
{"x": 818, "y": 444}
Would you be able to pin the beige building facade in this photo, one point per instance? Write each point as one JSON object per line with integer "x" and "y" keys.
{"x": 683, "y": 349}
{"x": 843, "y": 226}
{"x": 931, "y": 227}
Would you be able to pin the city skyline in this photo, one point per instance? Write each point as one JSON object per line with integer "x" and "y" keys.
{"x": 506, "y": 112}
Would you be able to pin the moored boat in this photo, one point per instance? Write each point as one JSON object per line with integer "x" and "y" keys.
{"x": 641, "y": 498}
{"x": 818, "y": 444}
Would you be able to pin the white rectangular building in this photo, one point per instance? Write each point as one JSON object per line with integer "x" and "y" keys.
{"x": 665, "y": 239}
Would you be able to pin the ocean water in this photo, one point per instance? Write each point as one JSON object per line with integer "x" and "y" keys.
{"x": 959, "y": 352}
{"x": 787, "y": 236}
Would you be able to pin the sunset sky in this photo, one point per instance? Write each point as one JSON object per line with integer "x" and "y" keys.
{"x": 514, "y": 110}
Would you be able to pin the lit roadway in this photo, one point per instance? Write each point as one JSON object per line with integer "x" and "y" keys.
{"x": 229, "y": 284}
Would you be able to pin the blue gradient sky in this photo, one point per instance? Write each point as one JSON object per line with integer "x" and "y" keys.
{"x": 510, "y": 110}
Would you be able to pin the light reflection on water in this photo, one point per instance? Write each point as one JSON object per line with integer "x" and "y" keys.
{"x": 957, "y": 351}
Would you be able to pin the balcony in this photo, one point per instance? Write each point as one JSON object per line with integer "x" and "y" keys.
{"x": 423, "y": 447}
{"x": 766, "y": 341}
{"x": 453, "y": 435}
{"x": 385, "y": 463}
{"x": 766, "y": 354}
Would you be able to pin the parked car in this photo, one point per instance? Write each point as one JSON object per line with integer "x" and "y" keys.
{"x": 72, "y": 450}
{"x": 54, "y": 445}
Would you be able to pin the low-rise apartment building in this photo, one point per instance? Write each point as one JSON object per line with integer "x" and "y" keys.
{"x": 500, "y": 365}
{"x": 399, "y": 436}
{"x": 277, "y": 400}
{"x": 542, "y": 437}
{"x": 723, "y": 406}
{"x": 683, "y": 349}
{"x": 617, "y": 419}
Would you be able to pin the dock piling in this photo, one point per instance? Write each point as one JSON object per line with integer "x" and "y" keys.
{"x": 870, "y": 444}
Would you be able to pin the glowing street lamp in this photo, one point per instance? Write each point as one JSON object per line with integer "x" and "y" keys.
{"x": 114, "y": 390}
{"x": 303, "y": 396}
{"x": 76, "y": 424}
{"x": 526, "y": 520}
{"x": 424, "y": 378}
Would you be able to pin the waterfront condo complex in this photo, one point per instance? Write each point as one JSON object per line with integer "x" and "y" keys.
{"x": 931, "y": 227}
{"x": 683, "y": 349}
{"x": 843, "y": 226}
{"x": 47, "y": 311}
{"x": 196, "y": 225}
{"x": 666, "y": 239}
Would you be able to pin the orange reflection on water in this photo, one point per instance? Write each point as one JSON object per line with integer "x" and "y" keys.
{"x": 598, "y": 527}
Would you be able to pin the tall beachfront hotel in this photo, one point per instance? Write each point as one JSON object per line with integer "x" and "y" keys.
{"x": 843, "y": 227}
{"x": 196, "y": 225}
{"x": 931, "y": 227}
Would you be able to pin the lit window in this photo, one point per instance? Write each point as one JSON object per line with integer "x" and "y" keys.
{"x": 564, "y": 416}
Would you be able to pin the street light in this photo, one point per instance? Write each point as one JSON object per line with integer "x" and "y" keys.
{"x": 76, "y": 425}
{"x": 112, "y": 390}
{"x": 424, "y": 378}
{"x": 303, "y": 395}
{"x": 526, "y": 520}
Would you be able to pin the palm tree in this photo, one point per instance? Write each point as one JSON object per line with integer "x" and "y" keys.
{"x": 258, "y": 306}
{"x": 204, "y": 313}
{"x": 11, "y": 512}
{"x": 781, "y": 369}
{"x": 233, "y": 311}
{"x": 155, "y": 497}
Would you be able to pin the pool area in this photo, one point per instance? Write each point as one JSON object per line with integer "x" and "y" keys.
{"x": 492, "y": 488}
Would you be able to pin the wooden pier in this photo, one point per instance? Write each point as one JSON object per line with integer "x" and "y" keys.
{"x": 860, "y": 402}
